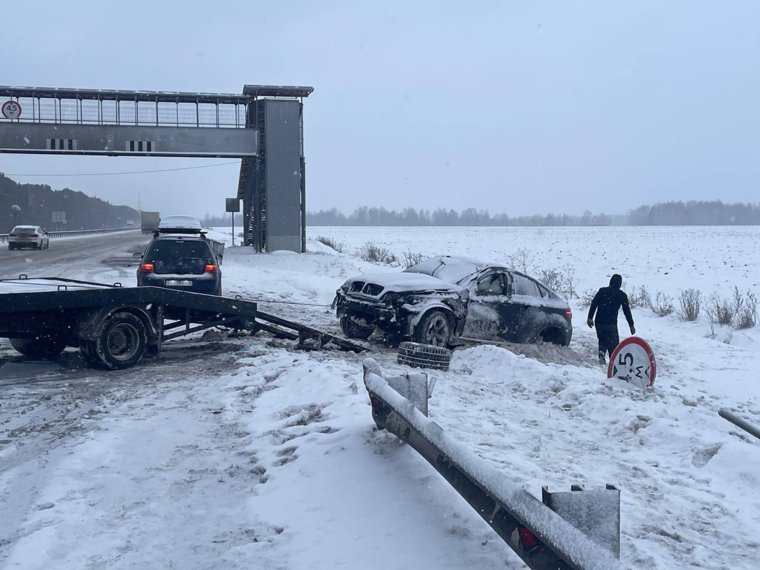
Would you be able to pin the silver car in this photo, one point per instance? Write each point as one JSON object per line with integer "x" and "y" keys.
{"x": 446, "y": 297}
{"x": 34, "y": 237}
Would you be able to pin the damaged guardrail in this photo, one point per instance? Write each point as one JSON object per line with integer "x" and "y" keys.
{"x": 541, "y": 537}
{"x": 739, "y": 422}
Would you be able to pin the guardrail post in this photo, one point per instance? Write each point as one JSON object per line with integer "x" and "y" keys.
{"x": 595, "y": 512}
{"x": 416, "y": 388}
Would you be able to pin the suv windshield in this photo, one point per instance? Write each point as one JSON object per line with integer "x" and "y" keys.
{"x": 447, "y": 268}
{"x": 179, "y": 256}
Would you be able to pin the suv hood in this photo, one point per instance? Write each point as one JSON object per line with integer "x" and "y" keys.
{"x": 397, "y": 282}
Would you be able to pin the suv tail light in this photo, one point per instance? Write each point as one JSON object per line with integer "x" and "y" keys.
{"x": 209, "y": 268}
{"x": 147, "y": 267}
{"x": 569, "y": 314}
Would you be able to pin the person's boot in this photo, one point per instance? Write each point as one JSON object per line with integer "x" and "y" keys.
{"x": 602, "y": 360}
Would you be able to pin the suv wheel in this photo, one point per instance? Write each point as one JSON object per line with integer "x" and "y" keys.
{"x": 353, "y": 329}
{"x": 434, "y": 328}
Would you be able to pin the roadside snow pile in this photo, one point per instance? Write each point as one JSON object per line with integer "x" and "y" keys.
{"x": 556, "y": 425}
{"x": 335, "y": 491}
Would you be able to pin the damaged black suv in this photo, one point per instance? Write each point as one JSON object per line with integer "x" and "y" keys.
{"x": 446, "y": 297}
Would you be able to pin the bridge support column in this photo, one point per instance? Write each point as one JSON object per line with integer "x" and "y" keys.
{"x": 273, "y": 183}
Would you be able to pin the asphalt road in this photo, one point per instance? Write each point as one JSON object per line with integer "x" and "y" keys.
{"x": 71, "y": 257}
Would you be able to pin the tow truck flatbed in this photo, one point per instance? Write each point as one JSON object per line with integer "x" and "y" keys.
{"x": 115, "y": 326}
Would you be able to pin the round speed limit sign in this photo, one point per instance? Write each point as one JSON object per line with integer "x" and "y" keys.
{"x": 633, "y": 362}
{"x": 11, "y": 110}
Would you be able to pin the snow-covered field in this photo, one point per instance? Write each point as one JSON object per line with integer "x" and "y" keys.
{"x": 248, "y": 454}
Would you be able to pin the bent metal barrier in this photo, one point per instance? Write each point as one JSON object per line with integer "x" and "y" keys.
{"x": 538, "y": 535}
{"x": 739, "y": 422}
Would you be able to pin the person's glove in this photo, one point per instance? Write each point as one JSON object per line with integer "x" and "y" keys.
{"x": 590, "y": 323}
{"x": 633, "y": 329}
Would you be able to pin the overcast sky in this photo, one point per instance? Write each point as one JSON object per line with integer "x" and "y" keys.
{"x": 518, "y": 107}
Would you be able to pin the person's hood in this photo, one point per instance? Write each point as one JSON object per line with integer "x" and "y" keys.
{"x": 616, "y": 281}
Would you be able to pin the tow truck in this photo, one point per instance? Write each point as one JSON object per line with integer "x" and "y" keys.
{"x": 115, "y": 326}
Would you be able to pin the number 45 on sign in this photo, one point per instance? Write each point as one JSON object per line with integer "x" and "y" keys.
{"x": 633, "y": 361}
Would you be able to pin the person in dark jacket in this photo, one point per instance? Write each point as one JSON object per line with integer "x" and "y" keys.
{"x": 606, "y": 304}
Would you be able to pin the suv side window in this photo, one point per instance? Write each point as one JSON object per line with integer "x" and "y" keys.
{"x": 524, "y": 286}
{"x": 492, "y": 284}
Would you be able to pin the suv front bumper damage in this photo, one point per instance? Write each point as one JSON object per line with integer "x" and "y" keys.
{"x": 401, "y": 315}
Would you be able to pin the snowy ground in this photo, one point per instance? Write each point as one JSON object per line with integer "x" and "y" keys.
{"x": 246, "y": 453}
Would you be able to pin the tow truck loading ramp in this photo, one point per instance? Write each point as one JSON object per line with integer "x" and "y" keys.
{"x": 115, "y": 326}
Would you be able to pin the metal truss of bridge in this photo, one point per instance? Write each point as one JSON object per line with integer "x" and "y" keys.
{"x": 263, "y": 126}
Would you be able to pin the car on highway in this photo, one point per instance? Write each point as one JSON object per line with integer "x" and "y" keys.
{"x": 180, "y": 256}
{"x": 32, "y": 237}
{"x": 446, "y": 297}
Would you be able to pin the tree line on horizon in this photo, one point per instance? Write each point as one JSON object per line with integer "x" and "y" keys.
{"x": 35, "y": 204}
{"x": 695, "y": 213}
{"x": 379, "y": 216}
{"x": 691, "y": 213}
{"x": 39, "y": 205}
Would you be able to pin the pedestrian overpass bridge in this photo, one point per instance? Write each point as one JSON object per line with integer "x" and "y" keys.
{"x": 263, "y": 127}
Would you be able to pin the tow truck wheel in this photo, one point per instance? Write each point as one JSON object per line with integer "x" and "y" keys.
{"x": 434, "y": 328}
{"x": 353, "y": 329}
{"x": 121, "y": 342}
{"x": 47, "y": 347}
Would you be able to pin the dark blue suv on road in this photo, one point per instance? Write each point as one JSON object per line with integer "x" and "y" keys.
{"x": 181, "y": 257}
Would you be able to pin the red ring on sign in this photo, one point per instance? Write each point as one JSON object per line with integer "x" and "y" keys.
{"x": 643, "y": 344}
{"x": 11, "y": 102}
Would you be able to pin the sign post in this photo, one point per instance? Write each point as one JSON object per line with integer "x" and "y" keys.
{"x": 59, "y": 219}
{"x": 233, "y": 205}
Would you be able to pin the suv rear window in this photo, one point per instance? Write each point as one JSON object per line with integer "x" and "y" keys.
{"x": 179, "y": 256}
{"x": 23, "y": 230}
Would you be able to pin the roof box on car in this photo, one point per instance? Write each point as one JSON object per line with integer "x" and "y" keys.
{"x": 180, "y": 225}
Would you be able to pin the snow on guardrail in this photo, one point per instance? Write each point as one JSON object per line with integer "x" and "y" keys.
{"x": 550, "y": 543}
